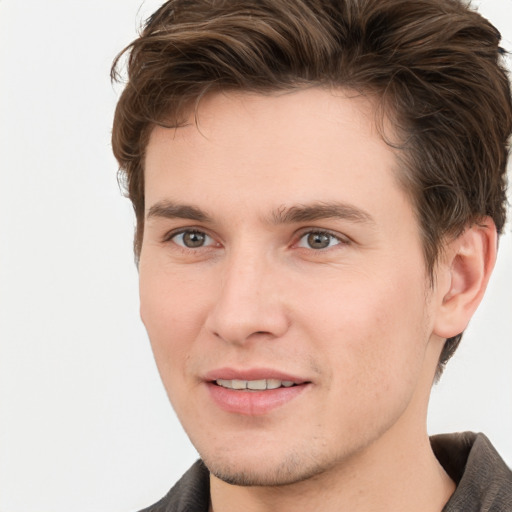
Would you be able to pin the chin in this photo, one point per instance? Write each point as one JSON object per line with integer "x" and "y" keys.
{"x": 291, "y": 469}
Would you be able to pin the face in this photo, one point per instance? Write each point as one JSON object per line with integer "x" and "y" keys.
{"x": 283, "y": 285}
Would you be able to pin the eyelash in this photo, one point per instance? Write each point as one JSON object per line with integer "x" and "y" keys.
{"x": 341, "y": 240}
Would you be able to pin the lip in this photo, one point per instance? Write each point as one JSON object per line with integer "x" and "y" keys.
{"x": 253, "y": 403}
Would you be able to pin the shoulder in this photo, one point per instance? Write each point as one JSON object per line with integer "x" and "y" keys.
{"x": 190, "y": 494}
{"x": 484, "y": 481}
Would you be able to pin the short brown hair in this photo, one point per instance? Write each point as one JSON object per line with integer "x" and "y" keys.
{"x": 434, "y": 65}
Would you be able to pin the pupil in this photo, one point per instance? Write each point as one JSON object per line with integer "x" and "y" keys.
{"x": 194, "y": 239}
{"x": 318, "y": 240}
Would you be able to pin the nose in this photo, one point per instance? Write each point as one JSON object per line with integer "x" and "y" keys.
{"x": 250, "y": 304}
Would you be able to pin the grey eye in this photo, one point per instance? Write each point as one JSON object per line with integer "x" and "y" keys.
{"x": 318, "y": 240}
{"x": 192, "y": 239}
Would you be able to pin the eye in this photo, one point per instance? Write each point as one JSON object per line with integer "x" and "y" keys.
{"x": 318, "y": 240}
{"x": 192, "y": 239}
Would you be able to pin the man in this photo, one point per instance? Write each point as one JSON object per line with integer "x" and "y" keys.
{"x": 319, "y": 187}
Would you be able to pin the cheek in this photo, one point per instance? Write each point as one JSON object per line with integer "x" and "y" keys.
{"x": 172, "y": 311}
{"x": 373, "y": 346}
{"x": 372, "y": 330}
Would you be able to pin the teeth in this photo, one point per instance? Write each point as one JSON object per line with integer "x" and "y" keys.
{"x": 254, "y": 385}
{"x": 239, "y": 384}
{"x": 257, "y": 384}
{"x": 273, "y": 383}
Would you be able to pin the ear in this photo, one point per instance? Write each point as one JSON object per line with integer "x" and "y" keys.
{"x": 463, "y": 274}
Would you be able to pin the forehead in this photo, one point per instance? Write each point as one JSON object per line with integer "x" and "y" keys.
{"x": 281, "y": 149}
{"x": 214, "y": 113}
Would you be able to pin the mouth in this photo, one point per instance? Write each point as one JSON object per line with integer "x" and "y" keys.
{"x": 253, "y": 392}
{"x": 254, "y": 385}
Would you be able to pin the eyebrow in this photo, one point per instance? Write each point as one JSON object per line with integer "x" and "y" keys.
{"x": 318, "y": 211}
{"x": 170, "y": 210}
{"x": 282, "y": 215}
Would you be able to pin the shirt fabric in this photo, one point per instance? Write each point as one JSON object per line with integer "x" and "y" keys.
{"x": 484, "y": 482}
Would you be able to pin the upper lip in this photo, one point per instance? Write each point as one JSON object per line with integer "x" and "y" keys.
{"x": 251, "y": 374}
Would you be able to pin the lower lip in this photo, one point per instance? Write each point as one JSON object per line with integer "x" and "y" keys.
{"x": 253, "y": 403}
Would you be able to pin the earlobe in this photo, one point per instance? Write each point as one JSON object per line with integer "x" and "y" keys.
{"x": 464, "y": 273}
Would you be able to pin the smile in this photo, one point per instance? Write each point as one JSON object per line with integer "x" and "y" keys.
{"x": 254, "y": 385}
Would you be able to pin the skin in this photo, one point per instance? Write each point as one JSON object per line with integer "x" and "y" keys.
{"x": 358, "y": 320}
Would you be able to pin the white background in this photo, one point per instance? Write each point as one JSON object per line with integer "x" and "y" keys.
{"x": 84, "y": 421}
